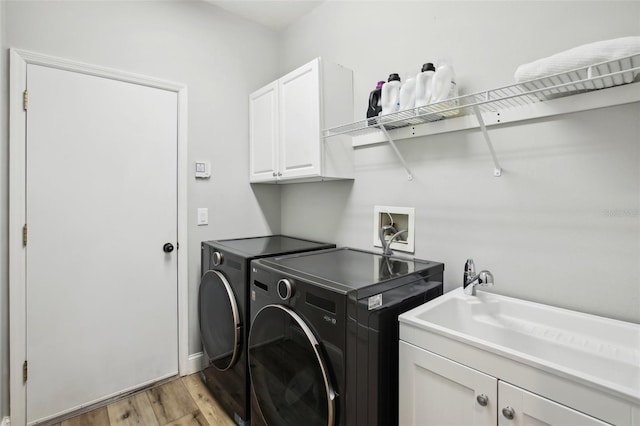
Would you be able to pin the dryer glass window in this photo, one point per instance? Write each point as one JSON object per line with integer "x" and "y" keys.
{"x": 288, "y": 371}
{"x": 220, "y": 323}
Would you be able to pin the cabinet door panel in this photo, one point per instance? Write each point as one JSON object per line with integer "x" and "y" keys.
{"x": 299, "y": 105}
{"x": 263, "y": 156}
{"x": 532, "y": 410}
{"x": 437, "y": 391}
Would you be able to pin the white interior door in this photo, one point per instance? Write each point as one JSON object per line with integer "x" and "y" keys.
{"x": 101, "y": 201}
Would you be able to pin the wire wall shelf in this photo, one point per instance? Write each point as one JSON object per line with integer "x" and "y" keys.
{"x": 589, "y": 78}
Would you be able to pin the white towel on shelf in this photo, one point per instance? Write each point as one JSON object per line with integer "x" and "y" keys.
{"x": 578, "y": 57}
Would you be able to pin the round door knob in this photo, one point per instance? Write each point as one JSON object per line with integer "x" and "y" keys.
{"x": 508, "y": 413}
{"x": 167, "y": 248}
{"x": 482, "y": 399}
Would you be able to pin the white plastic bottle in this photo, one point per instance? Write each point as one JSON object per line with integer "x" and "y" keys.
{"x": 390, "y": 94}
{"x": 443, "y": 87}
{"x": 407, "y": 97}
{"x": 423, "y": 84}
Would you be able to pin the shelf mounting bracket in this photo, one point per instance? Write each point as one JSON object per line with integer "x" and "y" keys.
{"x": 497, "y": 170}
{"x": 395, "y": 149}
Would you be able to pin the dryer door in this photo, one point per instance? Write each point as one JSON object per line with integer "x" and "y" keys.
{"x": 288, "y": 372}
{"x": 220, "y": 323}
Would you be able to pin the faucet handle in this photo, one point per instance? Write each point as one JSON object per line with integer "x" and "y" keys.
{"x": 485, "y": 278}
{"x": 470, "y": 267}
{"x": 469, "y": 271}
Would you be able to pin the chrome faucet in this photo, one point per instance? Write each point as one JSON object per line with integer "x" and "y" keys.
{"x": 471, "y": 279}
{"x": 386, "y": 245}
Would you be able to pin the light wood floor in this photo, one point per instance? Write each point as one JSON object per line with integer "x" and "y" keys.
{"x": 182, "y": 402}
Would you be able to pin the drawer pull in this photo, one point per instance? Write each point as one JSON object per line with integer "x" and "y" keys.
{"x": 508, "y": 412}
{"x": 482, "y": 399}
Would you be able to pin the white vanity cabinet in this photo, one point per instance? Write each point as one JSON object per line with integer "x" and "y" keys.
{"x": 286, "y": 118}
{"x": 437, "y": 391}
{"x": 489, "y": 359}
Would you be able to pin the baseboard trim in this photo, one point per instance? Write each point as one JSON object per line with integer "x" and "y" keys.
{"x": 194, "y": 363}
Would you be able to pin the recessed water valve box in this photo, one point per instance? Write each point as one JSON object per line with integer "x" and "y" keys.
{"x": 402, "y": 219}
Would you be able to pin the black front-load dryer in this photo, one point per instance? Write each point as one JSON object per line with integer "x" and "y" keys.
{"x": 224, "y": 313}
{"x": 323, "y": 344}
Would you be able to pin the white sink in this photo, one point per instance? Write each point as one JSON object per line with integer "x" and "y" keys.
{"x": 596, "y": 350}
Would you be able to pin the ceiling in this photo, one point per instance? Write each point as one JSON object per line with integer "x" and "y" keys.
{"x": 274, "y": 14}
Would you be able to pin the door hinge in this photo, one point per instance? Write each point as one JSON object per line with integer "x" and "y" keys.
{"x": 25, "y": 371}
{"x": 25, "y": 99}
{"x": 24, "y": 235}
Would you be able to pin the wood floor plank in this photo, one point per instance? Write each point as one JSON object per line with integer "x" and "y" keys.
{"x": 207, "y": 404}
{"x": 171, "y": 401}
{"x": 182, "y": 402}
{"x": 135, "y": 410}
{"x": 98, "y": 417}
{"x": 194, "y": 419}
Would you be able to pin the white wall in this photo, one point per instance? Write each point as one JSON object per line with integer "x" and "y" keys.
{"x": 221, "y": 58}
{"x": 561, "y": 225}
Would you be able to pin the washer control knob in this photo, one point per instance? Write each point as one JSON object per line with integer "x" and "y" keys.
{"x": 217, "y": 258}
{"x": 285, "y": 289}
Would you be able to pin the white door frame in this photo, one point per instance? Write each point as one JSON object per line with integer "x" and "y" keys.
{"x": 19, "y": 59}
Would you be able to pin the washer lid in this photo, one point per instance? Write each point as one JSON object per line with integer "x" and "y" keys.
{"x": 345, "y": 269}
{"x": 268, "y": 246}
{"x": 220, "y": 321}
{"x": 288, "y": 372}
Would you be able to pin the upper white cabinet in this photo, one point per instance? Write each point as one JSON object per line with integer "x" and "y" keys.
{"x": 263, "y": 113}
{"x": 286, "y": 119}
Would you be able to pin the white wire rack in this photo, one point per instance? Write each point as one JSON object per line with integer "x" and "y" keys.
{"x": 593, "y": 77}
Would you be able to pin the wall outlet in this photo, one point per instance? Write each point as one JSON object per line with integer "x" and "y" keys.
{"x": 401, "y": 218}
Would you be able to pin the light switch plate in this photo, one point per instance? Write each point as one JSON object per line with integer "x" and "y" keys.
{"x": 203, "y": 216}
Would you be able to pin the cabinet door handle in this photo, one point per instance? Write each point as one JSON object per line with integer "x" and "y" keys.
{"x": 482, "y": 399}
{"x": 279, "y": 173}
{"x": 275, "y": 174}
{"x": 508, "y": 412}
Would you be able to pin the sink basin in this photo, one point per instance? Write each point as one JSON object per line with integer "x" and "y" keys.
{"x": 597, "y": 350}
